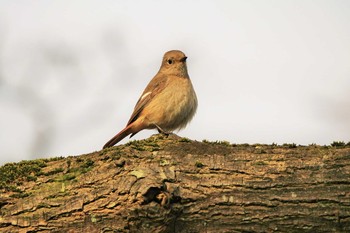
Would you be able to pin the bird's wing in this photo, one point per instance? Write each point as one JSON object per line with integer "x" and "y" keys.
{"x": 156, "y": 85}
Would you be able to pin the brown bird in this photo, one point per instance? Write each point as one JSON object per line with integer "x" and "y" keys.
{"x": 169, "y": 101}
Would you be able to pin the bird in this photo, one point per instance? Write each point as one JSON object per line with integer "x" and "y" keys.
{"x": 168, "y": 102}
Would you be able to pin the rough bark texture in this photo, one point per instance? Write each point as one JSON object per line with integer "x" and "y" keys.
{"x": 178, "y": 185}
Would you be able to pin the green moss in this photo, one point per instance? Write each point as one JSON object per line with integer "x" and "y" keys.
{"x": 115, "y": 155}
{"x": 225, "y": 143}
{"x": 260, "y": 151}
{"x": 43, "y": 205}
{"x": 83, "y": 167}
{"x": 31, "y": 178}
{"x": 69, "y": 163}
{"x": 53, "y": 159}
{"x": 94, "y": 219}
{"x": 58, "y": 190}
{"x": 338, "y": 144}
{"x": 290, "y": 145}
{"x": 13, "y": 188}
{"x": 66, "y": 177}
{"x": 164, "y": 162}
{"x": 199, "y": 164}
{"x": 79, "y": 160}
{"x": 13, "y": 174}
{"x": 260, "y": 163}
{"x": 74, "y": 171}
{"x": 150, "y": 144}
{"x": 20, "y": 195}
{"x": 244, "y": 145}
{"x": 88, "y": 163}
{"x": 55, "y": 171}
{"x": 184, "y": 140}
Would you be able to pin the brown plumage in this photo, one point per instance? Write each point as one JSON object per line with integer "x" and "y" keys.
{"x": 169, "y": 101}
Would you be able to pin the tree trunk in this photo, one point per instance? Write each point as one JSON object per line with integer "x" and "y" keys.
{"x": 178, "y": 185}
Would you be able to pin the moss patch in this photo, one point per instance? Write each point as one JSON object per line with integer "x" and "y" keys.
{"x": 13, "y": 174}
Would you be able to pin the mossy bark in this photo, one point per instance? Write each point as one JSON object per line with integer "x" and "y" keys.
{"x": 178, "y": 185}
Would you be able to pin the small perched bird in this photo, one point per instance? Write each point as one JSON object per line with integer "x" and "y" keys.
{"x": 169, "y": 101}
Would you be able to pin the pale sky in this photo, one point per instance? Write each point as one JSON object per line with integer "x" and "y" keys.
{"x": 264, "y": 71}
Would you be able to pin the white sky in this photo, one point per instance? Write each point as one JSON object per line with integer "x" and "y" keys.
{"x": 264, "y": 71}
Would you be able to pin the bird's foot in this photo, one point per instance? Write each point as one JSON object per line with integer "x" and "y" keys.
{"x": 160, "y": 130}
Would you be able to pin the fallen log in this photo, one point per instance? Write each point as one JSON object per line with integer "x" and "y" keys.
{"x": 178, "y": 185}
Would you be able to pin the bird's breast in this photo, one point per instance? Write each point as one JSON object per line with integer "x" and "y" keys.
{"x": 175, "y": 106}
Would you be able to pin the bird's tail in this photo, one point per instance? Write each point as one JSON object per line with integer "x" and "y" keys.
{"x": 122, "y": 134}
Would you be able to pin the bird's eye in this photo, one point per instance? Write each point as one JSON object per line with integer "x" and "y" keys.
{"x": 170, "y": 61}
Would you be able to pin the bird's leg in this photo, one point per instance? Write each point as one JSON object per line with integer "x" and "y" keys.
{"x": 160, "y": 130}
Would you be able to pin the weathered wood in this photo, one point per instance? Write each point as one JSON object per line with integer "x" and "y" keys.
{"x": 178, "y": 185}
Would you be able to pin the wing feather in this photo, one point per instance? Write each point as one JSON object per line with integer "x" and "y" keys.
{"x": 155, "y": 86}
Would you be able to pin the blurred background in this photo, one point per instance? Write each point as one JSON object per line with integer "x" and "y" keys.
{"x": 264, "y": 71}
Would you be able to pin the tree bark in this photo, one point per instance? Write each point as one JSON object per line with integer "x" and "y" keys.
{"x": 178, "y": 185}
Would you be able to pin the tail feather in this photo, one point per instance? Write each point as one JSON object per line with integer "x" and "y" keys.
{"x": 122, "y": 134}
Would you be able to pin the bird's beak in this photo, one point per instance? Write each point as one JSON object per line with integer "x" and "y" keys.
{"x": 183, "y": 59}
